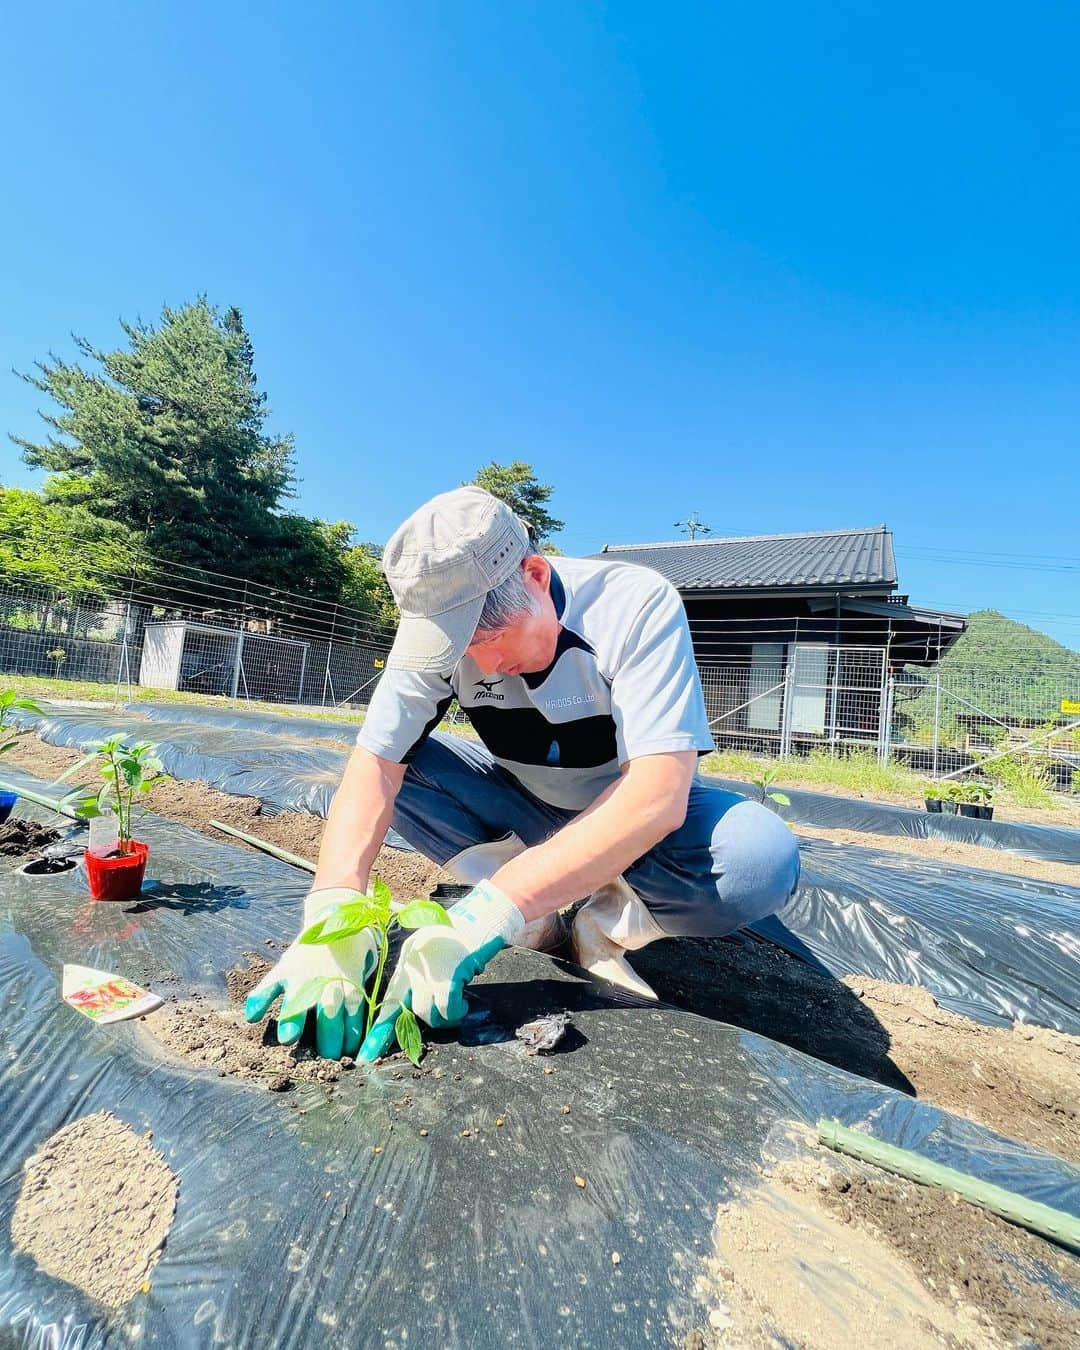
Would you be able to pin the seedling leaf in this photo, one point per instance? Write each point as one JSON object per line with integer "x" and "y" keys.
{"x": 407, "y": 1031}
{"x": 86, "y": 759}
{"x": 306, "y": 996}
{"x": 781, "y": 798}
{"x": 417, "y": 913}
{"x": 383, "y": 897}
{"x": 349, "y": 918}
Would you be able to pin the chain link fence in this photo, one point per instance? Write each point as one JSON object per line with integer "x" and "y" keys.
{"x": 781, "y": 698}
{"x": 944, "y": 721}
{"x": 255, "y": 651}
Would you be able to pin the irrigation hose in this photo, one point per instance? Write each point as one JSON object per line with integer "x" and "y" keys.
{"x": 282, "y": 854}
{"x": 36, "y": 797}
{"x": 1031, "y": 1214}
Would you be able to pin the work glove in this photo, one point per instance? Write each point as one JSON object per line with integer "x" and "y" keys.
{"x": 328, "y": 977}
{"x": 438, "y": 961}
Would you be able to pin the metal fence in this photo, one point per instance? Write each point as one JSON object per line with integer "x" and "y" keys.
{"x": 782, "y": 698}
{"x": 944, "y": 721}
{"x": 281, "y": 653}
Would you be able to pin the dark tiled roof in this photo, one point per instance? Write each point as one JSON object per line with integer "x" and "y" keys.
{"x": 846, "y": 558}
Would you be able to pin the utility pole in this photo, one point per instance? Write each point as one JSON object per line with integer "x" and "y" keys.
{"x": 693, "y": 526}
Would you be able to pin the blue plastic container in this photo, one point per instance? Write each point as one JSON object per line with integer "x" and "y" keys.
{"x": 7, "y": 801}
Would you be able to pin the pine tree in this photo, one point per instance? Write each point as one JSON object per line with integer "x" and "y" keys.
{"x": 166, "y": 436}
{"x": 517, "y": 485}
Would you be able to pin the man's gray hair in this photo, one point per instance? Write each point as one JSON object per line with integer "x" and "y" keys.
{"x": 507, "y": 602}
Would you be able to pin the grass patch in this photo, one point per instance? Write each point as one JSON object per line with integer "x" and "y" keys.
{"x": 856, "y": 772}
{"x": 1017, "y": 781}
{"x": 1025, "y": 782}
{"x": 91, "y": 691}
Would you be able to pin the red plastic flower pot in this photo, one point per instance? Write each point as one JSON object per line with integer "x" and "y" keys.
{"x": 117, "y": 878}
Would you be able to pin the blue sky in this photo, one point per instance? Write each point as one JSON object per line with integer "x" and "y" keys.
{"x": 793, "y": 267}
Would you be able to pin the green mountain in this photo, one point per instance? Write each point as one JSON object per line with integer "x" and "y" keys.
{"x": 1003, "y": 668}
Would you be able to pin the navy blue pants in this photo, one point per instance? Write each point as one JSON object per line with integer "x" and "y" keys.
{"x": 731, "y": 862}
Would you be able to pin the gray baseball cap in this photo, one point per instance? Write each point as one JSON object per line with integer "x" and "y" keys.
{"x": 440, "y": 564}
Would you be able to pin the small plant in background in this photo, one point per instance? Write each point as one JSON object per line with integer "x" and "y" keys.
{"x": 375, "y": 912}
{"x": 57, "y": 656}
{"x": 9, "y": 701}
{"x": 763, "y": 782}
{"x": 1026, "y": 779}
{"x": 129, "y": 771}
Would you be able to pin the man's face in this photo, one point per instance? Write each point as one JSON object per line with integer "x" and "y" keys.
{"x": 528, "y": 644}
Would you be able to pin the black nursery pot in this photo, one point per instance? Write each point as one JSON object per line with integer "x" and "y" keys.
{"x": 970, "y": 810}
{"x": 986, "y": 813}
{"x": 948, "y": 808}
{"x": 933, "y": 805}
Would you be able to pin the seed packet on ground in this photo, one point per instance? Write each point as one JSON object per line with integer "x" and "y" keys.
{"x": 104, "y": 997}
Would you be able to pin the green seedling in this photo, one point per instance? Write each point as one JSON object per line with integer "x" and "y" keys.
{"x": 373, "y": 912}
{"x": 129, "y": 771}
{"x": 10, "y": 700}
{"x": 762, "y": 783}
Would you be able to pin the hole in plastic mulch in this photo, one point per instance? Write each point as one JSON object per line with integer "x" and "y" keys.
{"x": 48, "y": 867}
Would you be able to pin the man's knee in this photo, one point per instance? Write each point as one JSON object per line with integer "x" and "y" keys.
{"x": 755, "y": 863}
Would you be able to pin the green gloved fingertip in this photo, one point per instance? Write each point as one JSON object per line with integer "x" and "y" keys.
{"x": 354, "y": 1031}
{"x": 259, "y": 1000}
{"x": 289, "y": 1029}
{"x": 329, "y": 1033}
{"x": 378, "y": 1041}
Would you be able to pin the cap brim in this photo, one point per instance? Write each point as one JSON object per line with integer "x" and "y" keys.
{"x": 435, "y": 643}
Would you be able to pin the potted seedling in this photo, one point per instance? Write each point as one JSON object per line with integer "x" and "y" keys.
{"x": 934, "y": 795}
{"x": 129, "y": 771}
{"x": 976, "y": 802}
{"x": 763, "y": 785}
{"x": 9, "y": 701}
{"x": 951, "y": 798}
{"x": 374, "y": 912}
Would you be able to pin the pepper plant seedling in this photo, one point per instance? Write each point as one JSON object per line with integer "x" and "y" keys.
{"x": 129, "y": 771}
{"x": 769, "y": 776}
{"x": 374, "y": 912}
{"x": 9, "y": 699}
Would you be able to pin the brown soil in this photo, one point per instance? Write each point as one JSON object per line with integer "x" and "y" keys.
{"x": 995, "y": 1268}
{"x": 219, "y": 1038}
{"x": 194, "y": 804}
{"x": 952, "y": 851}
{"x": 786, "y": 1271}
{"x": 103, "y": 1236}
{"x": 820, "y": 1258}
{"x": 1020, "y": 1081}
{"x": 19, "y": 838}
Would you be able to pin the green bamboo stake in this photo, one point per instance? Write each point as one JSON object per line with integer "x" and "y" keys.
{"x": 282, "y": 854}
{"x": 36, "y": 797}
{"x": 1030, "y": 1214}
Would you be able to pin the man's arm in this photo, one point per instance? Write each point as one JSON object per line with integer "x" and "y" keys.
{"x": 358, "y": 820}
{"x": 626, "y": 820}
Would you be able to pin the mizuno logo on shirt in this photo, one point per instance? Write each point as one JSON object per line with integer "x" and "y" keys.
{"x": 486, "y": 688}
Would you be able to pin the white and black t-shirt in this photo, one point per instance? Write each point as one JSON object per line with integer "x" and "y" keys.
{"x": 623, "y": 683}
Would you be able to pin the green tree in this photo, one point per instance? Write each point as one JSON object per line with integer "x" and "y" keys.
{"x": 517, "y": 485}
{"x": 60, "y": 545}
{"x": 166, "y": 437}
